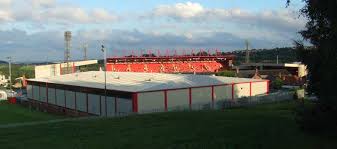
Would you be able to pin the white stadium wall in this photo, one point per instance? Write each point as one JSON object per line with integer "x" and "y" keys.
{"x": 70, "y": 100}
{"x": 30, "y": 91}
{"x": 177, "y": 98}
{"x": 151, "y": 101}
{"x": 79, "y": 101}
{"x": 241, "y": 90}
{"x": 222, "y": 93}
{"x": 60, "y": 98}
{"x": 195, "y": 98}
{"x": 259, "y": 88}
{"x": 94, "y": 104}
{"x": 124, "y": 106}
{"x": 201, "y": 96}
{"x": 51, "y": 96}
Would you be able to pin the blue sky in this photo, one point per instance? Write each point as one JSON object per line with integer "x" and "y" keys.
{"x": 31, "y": 29}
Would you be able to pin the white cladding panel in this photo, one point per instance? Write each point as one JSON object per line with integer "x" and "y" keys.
{"x": 103, "y": 106}
{"x": 259, "y": 88}
{"x": 51, "y": 96}
{"x": 60, "y": 98}
{"x": 29, "y": 91}
{"x": 241, "y": 90}
{"x": 94, "y": 104}
{"x": 124, "y": 106}
{"x": 177, "y": 98}
{"x": 81, "y": 101}
{"x": 36, "y": 92}
{"x": 70, "y": 99}
{"x": 151, "y": 102}
{"x": 222, "y": 93}
{"x": 110, "y": 106}
{"x": 43, "y": 94}
{"x": 201, "y": 95}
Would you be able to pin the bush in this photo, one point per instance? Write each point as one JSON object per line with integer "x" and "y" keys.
{"x": 277, "y": 83}
{"x": 314, "y": 118}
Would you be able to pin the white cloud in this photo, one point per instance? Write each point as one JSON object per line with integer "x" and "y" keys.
{"x": 179, "y": 10}
{"x": 5, "y": 3}
{"x": 284, "y": 20}
{"x": 5, "y": 16}
{"x": 46, "y": 12}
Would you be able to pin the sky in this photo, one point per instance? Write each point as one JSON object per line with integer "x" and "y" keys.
{"x": 33, "y": 30}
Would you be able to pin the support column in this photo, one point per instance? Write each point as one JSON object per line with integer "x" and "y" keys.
{"x": 250, "y": 89}
{"x": 165, "y": 100}
{"x": 268, "y": 87}
{"x": 233, "y": 92}
{"x": 212, "y": 97}
{"x": 190, "y": 98}
{"x": 135, "y": 102}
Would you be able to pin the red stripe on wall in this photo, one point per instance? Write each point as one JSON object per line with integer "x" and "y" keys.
{"x": 32, "y": 91}
{"x": 60, "y": 69}
{"x": 73, "y": 70}
{"x": 47, "y": 92}
{"x": 100, "y": 105}
{"x": 250, "y": 89}
{"x": 233, "y": 91}
{"x": 212, "y": 97}
{"x": 165, "y": 100}
{"x": 106, "y": 107}
{"x": 65, "y": 99}
{"x": 55, "y": 97}
{"x": 267, "y": 87}
{"x": 87, "y": 100}
{"x": 135, "y": 102}
{"x": 75, "y": 101}
{"x": 116, "y": 106}
{"x": 190, "y": 97}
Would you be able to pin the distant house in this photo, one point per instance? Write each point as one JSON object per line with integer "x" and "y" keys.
{"x": 3, "y": 80}
{"x": 289, "y": 76}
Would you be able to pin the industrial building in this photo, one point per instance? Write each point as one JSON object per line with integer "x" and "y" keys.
{"x": 128, "y": 92}
{"x": 50, "y": 70}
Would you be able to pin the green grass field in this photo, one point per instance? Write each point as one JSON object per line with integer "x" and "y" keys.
{"x": 17, "y": 114}
{"x": 265, "y": 126}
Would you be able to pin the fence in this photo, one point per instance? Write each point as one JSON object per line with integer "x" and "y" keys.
{"x": 227, "y": 104}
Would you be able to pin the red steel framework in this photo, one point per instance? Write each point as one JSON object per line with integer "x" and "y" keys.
{"x": 205, "y": 62}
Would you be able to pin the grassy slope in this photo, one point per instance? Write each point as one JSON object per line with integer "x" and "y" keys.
{"x": 272, "y": 126}
{"x": 16, "y": 114}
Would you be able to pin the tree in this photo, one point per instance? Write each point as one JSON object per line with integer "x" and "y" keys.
{"x": 321, "y": 59}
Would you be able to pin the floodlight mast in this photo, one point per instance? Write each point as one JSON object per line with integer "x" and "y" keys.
{"x": 105, "y": 61}
{"x": 10, "y": 71}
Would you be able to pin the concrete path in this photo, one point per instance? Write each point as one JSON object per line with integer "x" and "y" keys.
{"x": 13, "y": 125}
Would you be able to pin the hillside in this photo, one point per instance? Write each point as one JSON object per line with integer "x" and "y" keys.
{"x": 286, "y": 55}
{"x": 265, "y": 126}
{"x": 3, "y": 62}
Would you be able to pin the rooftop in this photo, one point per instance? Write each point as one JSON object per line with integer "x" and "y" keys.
{"x": 138, "y": 82}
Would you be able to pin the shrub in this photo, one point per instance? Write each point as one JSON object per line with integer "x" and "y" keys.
{"x": 226, "y": 74}
{"x": 277, "y": 83}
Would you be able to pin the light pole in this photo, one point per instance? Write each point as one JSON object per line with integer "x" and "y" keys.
{"x": 10, "y": 71}
{"x": 104, "y": 51}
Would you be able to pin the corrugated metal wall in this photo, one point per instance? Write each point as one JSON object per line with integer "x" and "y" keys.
{"x": 241, "y": 90}
{"x": 152, "y": 101}
{"x": 158, "y": 101}
{"x": 178, "y": 99}
{"x": 259, "y": 88}
{"x": 90, "y": 103}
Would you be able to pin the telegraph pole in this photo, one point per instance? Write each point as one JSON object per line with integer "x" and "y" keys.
{"x": 247, "y": 52}
{"x": 105, "y": 91}
{"x": 10, "y": 71}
